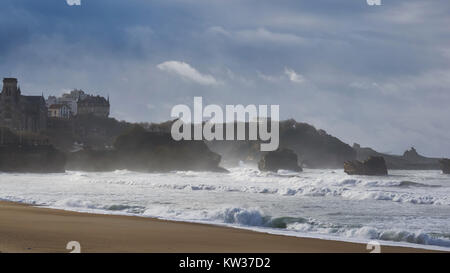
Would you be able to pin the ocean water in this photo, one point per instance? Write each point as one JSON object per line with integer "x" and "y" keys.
{"x": 405, "y": 208}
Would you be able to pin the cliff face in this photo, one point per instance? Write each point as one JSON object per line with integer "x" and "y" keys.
{"x": 31, "y": 158}
{"x": 28, "y": 152}
{"x": 315, "y": 148}
{"x": 140, "y": 150}
{"x": 92, "y": 131}
{"x": 410, "y": 160}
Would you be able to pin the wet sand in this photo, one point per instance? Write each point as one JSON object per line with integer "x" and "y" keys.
{"x": 26, "y": 228}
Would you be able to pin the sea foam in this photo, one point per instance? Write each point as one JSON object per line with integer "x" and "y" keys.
{"x": 405, "y": 207}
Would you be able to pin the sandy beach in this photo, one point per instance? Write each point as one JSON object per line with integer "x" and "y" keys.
{"x": 31, "y": 229}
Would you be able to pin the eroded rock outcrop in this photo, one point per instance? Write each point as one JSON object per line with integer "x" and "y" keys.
{"x": 281, "y": 159}
{"x": 374, "y": 165}
{"x": 140, "y": 150}
{"x": 445, "y": 165}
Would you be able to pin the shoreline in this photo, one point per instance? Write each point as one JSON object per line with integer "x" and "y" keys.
{"x": 27, "y": 229}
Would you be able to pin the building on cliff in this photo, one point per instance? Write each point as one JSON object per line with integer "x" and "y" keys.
{"x": 21, "y": 113}
{"x": 69, "y": 99}
{"x": 79, "y": 103}
{"x": 94, "y": 105}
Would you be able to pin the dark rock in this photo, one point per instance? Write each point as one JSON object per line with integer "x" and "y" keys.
{"x": 281, "y": 159}
{"x": 90, "y": 130}
{"x": 445, "y": 165}
{"x": 374, "y": 165}
{"x": 31, "y": 159}
{"x": 140, "y": 150}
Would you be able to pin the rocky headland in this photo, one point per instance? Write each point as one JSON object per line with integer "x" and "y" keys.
{"x": 315, "y": 148}
{"x": 410, "y": 160}
{"x": 103, "y": 144}
{"x": 140, "y": 150}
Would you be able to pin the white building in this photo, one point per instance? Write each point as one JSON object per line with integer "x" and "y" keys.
{"x": 68, "y": 99}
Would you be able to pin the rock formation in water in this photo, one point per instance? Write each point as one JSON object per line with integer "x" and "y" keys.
{"x": 410, "y": 160}
{"x": 140, "y": 150}
{"x": 445, "y": 165}
{"x": 281, "y": 159}
{"x": 374, "y": 165}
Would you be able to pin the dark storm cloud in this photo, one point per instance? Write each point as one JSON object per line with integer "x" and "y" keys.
{"x": 376, "y": 75}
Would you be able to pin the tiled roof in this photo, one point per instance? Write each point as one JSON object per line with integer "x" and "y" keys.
{"x": 94, "y": 99}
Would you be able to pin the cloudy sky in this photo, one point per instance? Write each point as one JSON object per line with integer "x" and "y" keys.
{"x": 376, "y": 75}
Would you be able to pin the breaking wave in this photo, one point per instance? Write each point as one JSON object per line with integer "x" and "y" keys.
{"x": 406, "y": 207}
{"x": 347, "y": 188}
{"x": 254, "y": 217}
